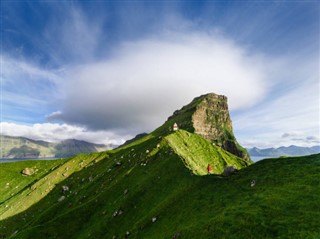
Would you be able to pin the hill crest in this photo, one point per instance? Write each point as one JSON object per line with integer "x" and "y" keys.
{"x": 208, "y": 116}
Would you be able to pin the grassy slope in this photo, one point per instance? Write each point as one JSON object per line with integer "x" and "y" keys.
{"x": 34, "y": 188}
{"x": 284, "y": 202}
{"x": 197, "y": 153}
{"x": 11, "y": 180}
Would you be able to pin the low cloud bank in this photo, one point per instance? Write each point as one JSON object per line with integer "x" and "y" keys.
{"x": 145, "y": 81}
{"x": 58, "y": 132}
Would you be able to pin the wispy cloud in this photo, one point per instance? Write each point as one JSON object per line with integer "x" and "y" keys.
{"x": 283, "y": 120}
{"x": 27, "y": 87}
{"x": 73, "y": 38}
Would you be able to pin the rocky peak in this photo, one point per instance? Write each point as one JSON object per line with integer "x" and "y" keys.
{"x": 208, "y": 116}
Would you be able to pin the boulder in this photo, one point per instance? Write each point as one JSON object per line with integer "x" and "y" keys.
{"x": 229, "y": 170}
{"x": 65, "y": 188}
{"x": 61, "y": 198}
{"x": 27, "y": 172}
{"x": 253, "y": 183}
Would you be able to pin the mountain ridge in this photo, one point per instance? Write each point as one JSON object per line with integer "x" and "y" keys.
{"x": 208, "y": 116}
{"x": 23, "y": 147}
{"x": 291, "y": 150}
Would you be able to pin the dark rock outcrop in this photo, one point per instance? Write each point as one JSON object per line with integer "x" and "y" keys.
{"x": 228, "y": 171}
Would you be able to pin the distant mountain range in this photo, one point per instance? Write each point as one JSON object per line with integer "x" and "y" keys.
{"x": 21, "y": 147}
{"x": 284, "y": 151}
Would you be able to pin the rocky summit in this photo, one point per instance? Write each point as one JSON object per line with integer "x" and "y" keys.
{"x": 208, "y": 116}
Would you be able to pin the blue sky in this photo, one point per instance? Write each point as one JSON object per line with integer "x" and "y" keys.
{"x": 104, "y": 71}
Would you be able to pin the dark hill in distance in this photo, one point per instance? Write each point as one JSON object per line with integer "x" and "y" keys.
{"x": 21, "y": 147}
{"x": 71, "y": 147}
{"x": 151, "y": 188}
{"x": 138, "y": 136}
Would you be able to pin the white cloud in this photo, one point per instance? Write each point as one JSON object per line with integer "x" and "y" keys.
{"x": 290, "y": 119}
{"x": 26, "y": 85}
{"x": 73, "y": 37}
{"x": 147, "y": 80}
{"x": 57, "y": 132}
{"x": 137, "y": 86}
{"x": 18, "y": 69}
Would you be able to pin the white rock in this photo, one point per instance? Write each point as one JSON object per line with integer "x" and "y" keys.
{"x": 61, "y": 198}
{"x": 65, "y": 188}
{"x": 253, "y": 183}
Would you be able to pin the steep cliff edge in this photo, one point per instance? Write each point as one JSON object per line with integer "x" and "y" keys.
{"x": 207, "y": 116}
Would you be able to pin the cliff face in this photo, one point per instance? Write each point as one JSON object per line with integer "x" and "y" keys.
{"x": 211, "y": 116}
{"x": 208, "y": 116}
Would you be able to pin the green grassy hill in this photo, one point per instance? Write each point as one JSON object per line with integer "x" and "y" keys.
{"x": 150, "y": 188}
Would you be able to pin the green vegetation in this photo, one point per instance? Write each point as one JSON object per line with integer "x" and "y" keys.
{"x": 11, "y": 180}
{"x": 144, "y": 190}
{"x": 39, "y": 184}
{"x": 197, "y": 153}
{"x": 157, "y": 186}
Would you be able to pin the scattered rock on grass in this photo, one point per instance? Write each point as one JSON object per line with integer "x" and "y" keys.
{"x": 176, "y": 235}
{"x": 229, "y": 170}
{"x": 65, "y": 188}
{"x": 253, "y": 183}
{"x": 154, "y": 219}
{"x": 61, "y": 198}
{"x": 115, "y": 213}
{"x": 27, "y": 172}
